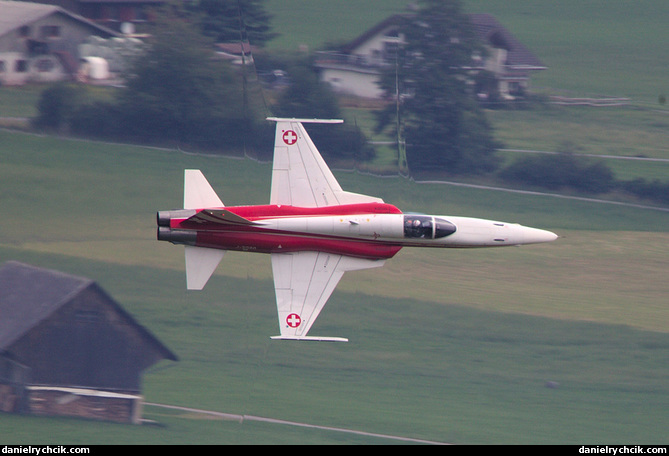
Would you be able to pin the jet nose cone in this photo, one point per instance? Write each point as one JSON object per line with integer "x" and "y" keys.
{"x": 536, "y": 236}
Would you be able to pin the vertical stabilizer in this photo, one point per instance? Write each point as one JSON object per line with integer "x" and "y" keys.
{"x": 300, "y": 176}
{"x": 198, "y": 194}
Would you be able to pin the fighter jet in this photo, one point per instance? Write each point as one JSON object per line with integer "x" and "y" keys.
{"x": 313, "y": 230}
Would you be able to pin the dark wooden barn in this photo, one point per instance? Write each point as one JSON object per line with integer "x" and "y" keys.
{"x": 67, "y": 348}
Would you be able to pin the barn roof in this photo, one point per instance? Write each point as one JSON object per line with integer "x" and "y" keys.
{"x": 29, "y": 295}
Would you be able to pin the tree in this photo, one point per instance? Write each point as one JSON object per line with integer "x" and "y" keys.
{"x": 563, "y": 170}
{"x": 307, "y": 97}
{"x": 57, "y": 105}
{"x": 234, "y": 20}
{"x": 443, "y": 125}
{"x": 179, "y": 91}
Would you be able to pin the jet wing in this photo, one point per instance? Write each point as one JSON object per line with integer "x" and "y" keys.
{"x": 303, "y": 282}
{"x": 300, "y": 176}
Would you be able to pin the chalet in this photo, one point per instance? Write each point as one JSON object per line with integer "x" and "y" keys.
{"x": 509, "y": 60}
{"x": 67, "y": 348}
{"x": 39, "y": 43}
{"x": 236, "y": 53}
{"x": 354, "y": 68}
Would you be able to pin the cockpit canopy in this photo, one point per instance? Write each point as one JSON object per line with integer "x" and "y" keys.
{"x": 426, "y": 227}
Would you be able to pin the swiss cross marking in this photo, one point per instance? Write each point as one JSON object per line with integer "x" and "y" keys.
{"x": 289, "y": 137}
{"x": 293, "y": 320}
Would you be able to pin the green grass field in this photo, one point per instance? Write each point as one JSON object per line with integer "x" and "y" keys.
{"x": 445, "y": 345}
{"x": 593, "y": 48}
{"x": 451, "y": 346}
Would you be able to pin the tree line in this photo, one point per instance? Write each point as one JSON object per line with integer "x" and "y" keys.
{"x": 178, "y": 93}
{"x": 567, "y": 171}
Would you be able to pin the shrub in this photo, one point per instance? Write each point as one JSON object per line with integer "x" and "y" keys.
{"x": 560, "y": 171}
{"x": 99, "y": 119}
{"x": 654, "y": 190}
{"x": 56, "y": 106}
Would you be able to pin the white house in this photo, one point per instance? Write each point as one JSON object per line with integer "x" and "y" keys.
{"x": 354, "y": 68}
{"x": 39, "y": 43}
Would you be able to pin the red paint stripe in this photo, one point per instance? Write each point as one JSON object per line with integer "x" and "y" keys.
{"x": 255, "y": 239}
{"x": 263, "y": 242}
{"x": 273, "y": 211}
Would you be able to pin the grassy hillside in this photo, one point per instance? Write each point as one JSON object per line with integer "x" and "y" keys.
{"x": 565, "y": 343}
{"x": 592, "y": 48}
{"x": 454, "y": 346}
{"x": 315, "y": 23}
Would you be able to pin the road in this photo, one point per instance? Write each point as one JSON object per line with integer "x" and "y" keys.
{"x": 553, "y": 195}
{"x": 242, "y": 418}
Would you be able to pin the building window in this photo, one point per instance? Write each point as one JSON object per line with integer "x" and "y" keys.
{"x": 140, "y": 14}
{"x": 110, "y": 13}
{"x": 393, "y": 33}
{"x": 50, "y": 31}
{"x": 44, "y": 65}
{"x": 21, "y": 66}
{"x": 24, "y": 31}
{"x": 126, "y": 14}
{"x": 2, "y": 66}
{"x": 390, "y": 49}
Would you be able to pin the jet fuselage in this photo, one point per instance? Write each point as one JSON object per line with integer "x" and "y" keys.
{"x": 313, "y": 230}
{"x": 367, "y": 230}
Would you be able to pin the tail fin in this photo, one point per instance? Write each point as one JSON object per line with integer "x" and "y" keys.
{"x": 198, "y": 194}
{"x": 200, "y": 262}
{"x": 300, "y": 176}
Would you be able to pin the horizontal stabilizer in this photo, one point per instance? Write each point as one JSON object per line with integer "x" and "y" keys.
{"x": 311, "y": 338}
{"x": 220, "y": 216}
{"x": 305, "y": 120}
{"x": 197, "y": 191}
{"x": 200, "y": 265}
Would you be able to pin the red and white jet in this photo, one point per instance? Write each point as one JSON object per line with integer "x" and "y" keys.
{"x": 313, "y": 230}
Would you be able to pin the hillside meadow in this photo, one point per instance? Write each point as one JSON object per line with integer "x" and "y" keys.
{"x": 558, "y": 343}
{"x": 594, "y": 48}
{"x": 564, "y": 343}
